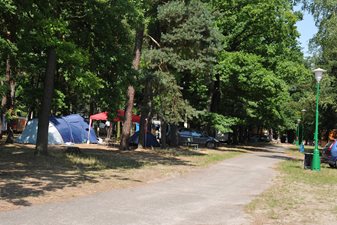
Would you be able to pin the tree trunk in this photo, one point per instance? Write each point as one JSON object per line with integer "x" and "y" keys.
{"x": 145, "y": 113}
{"x": 109, "y": 132}
{"x": 138, "y": 47}
{"x": 163, "y": 131}
{"x": 8, "y": 101}
{"x": 4, "y": 97}
{"x": 271, "y": 135}
{"x": 174, "y": 136}
{"x": 131, "y": 90}
{"x": 235, "y": 135}
{"x": 42, "y": 132}
{"x": 216, "y": 95}
{"x": 128, "y": 120}
{"x": 136, "y": 63}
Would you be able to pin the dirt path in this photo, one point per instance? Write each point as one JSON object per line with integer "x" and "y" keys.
{"x": 215, "y": 195}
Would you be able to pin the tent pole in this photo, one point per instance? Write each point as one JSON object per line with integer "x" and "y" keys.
{"x": 88, "y": 141}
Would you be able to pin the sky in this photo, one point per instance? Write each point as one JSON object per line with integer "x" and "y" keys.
{"x": 307, "y": 29}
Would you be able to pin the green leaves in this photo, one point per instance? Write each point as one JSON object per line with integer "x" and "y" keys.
{"x": 182, "y": 63}
{"x": 240, "y": 56}
{"x": 217, "y": 122}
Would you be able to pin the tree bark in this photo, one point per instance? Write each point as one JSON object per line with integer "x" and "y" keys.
{"x": 8, "y": 101}
{"x": 124, "y": 145}
{"x": 4, "y": 97}
{"x": 138, "y": 47}
{"x": 174, "y": 139}
{"x": 163, "y": 131}
{"x": 42, "y": 133}
{"x": 145, "y": 113}
{"x": 131, "y": 90}
{"x": 216, "y": 95}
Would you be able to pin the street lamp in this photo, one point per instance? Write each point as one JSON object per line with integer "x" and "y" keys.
{"x": 302, "y": 113}
{"x": 316, "y": 162}
{"x": 298, "y": 132}
{"x": 302, "y": 131}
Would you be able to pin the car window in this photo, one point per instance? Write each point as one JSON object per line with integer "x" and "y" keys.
{"x": 196, "y": 134}
{"x": 185, "y": 133}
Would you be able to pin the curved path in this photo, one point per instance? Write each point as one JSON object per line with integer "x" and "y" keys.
{"x": 211, "y": 196}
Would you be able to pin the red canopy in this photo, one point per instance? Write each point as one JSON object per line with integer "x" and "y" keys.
{"x": 100, "y": 116}
{"x": 104, "y": 116}
{"x": 120, "y": 116}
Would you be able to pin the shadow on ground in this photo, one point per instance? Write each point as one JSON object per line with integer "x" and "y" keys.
{"x": 271, "y": 150}
{"x": 282, "y": 157}
{"x": 24, "y": 175}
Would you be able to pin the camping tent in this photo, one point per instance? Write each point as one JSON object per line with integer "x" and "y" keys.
{"x": 149, "y": 140}
{"x": 70, "y": 128}
{"x": 104, "y": 116}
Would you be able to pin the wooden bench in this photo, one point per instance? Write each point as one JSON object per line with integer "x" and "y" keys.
{"x": 192, "y": 145}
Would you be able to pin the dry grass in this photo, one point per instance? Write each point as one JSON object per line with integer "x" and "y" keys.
{"x": 298, "y": 196}
{"x": 26, "y": 179}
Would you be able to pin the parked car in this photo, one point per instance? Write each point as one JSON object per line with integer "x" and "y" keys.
{"x": 222, "y": 137}
{"x": 187, "y": 136}
{"x": 259, "y": 138}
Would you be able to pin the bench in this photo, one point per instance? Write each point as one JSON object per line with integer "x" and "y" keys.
{"x": 192, "y": 145}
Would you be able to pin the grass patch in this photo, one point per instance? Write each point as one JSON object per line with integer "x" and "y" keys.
{"x": 296, "y": 173}
{"x": 215, "y": 156}
{"x": 103, "y": 162}
{"x": 298, "y": 196}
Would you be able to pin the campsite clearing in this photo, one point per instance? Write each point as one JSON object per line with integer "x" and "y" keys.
{"x": 26, "y": 179}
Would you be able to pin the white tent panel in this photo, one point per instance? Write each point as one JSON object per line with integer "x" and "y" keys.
{"x": 29, "y": 134}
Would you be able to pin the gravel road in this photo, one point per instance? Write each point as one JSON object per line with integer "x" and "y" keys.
{"x": 208, "y": 196}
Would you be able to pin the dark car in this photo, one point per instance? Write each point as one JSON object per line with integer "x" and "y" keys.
{"x": 196, "y": 137}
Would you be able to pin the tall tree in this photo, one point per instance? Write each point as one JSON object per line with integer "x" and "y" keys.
{"x": 179, "y": 62}
{"x": 42, "y": 133}
{"x": 8, "y": 42}
{"x": 324, "y": 49}
{"x": 260, "y": 38}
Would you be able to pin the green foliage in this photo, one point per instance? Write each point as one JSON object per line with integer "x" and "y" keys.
{"x": 168, "y": 101}
{"x": 262, "y": 63}
{"x": 324, "y": 49}
{"x": 182, "y": 63}
{"x": 93, "y": 40}
{"x": 190, "y": 42}
{"x": 217, "y": 122}
{"x": 249, "y": 47}
{"x": 250, "y": 91}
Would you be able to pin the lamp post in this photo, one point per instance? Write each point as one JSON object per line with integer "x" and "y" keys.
{"x": 302, "y": 131}
{"x": 316, "y": 162}
{"x": 298, "y": 132}
{"x": 302, "y": 113}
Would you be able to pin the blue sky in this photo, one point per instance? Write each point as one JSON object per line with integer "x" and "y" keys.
{"x": 307, "y": 29}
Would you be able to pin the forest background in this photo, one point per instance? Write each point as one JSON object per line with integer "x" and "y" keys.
{"x": 228, "y": 66}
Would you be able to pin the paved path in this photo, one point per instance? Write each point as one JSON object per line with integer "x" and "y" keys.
{"x": 212, "y": 196}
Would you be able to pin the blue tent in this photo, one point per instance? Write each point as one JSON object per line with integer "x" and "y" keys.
{"x": 73, "y": 129}
{"x": 150, "y": 140}
{"x": 70, "y": 128}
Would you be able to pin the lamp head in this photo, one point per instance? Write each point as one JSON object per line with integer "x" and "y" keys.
{"x": 318, "y": 74}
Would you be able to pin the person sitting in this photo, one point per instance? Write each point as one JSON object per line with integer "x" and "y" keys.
{"x": 332, "y": 144}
